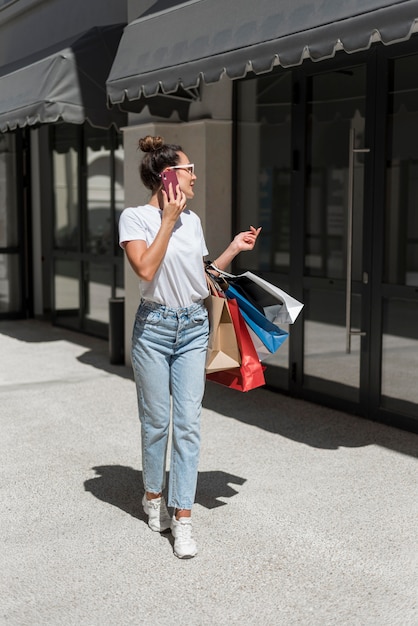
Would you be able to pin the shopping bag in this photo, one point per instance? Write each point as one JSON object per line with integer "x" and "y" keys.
{"x": 250, "y": 374}
{"x": 277, "y": 305}
{"x": 262, "y": 352}
{"x": 223, "y": 352}
{"x": 270, "y": 334}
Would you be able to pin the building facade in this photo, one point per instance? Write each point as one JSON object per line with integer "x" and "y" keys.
{"x": 61, "y": 162}
{"x": 300, "y": 117}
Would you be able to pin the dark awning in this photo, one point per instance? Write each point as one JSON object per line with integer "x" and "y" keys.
{"x": 66, "y": 82}
{"x": 205, "y": 39}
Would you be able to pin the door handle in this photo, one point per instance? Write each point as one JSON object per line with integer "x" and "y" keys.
{"x": 349, "y": 332}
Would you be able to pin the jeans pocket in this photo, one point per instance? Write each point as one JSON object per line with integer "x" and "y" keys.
{"x": 149, "y": 316}
{"x": 200, "y": 317}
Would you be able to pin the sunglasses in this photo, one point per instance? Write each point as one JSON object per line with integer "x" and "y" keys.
{"x": 189, "y": 168}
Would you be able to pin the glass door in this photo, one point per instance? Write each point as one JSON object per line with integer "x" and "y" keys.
{"x": 264, "y": 169}
{"x": 15, "y": 218}
{"x": 104, "y": 201}
{"x": 10, "y": 291}
{"x": 88, "y": 199}
{"x": 327, "y": 162}
{"x": 396, "y": 283}
{"x": 335, "y": 283}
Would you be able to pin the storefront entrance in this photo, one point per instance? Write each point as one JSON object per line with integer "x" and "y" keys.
{"x": 327, "y": 164}
{"x": 16, "y": 290}
{"x": 87, "y": 262}
{"x": 335, "y": 278}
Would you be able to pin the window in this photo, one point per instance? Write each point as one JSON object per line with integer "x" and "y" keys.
{"x": 88, "y": 200}
{"x": 10, "y": 261}
{"x": 401, "y": 225}
{"x": 264, "y": 168}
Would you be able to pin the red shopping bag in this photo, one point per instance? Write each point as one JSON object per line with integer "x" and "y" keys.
{"x": 250, "y": 374}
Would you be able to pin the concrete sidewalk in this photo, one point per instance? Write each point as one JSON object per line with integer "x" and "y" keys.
{"x": 304, "y": 515}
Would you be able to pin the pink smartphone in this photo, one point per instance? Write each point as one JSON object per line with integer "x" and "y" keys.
{"x": 167, "y": 177}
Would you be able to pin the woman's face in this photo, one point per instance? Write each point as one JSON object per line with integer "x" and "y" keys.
{"x": 185, "y": 175}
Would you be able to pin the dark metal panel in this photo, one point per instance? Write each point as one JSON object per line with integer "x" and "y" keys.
{"x": 204, "y": 39}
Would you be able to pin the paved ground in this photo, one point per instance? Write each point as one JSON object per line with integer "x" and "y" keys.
{"x": 304, "y": 516}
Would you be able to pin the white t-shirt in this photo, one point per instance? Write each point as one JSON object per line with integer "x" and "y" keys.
{"x": 180, "y": 279}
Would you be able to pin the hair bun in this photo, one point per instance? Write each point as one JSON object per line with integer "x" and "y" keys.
{"x": 150, "y": 144}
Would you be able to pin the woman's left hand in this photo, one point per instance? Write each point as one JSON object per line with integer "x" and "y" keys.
{"x": 246, "y": 240}
{"x": 241, "y": 242}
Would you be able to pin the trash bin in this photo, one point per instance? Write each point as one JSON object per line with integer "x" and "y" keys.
{"x": 117, "y": 331}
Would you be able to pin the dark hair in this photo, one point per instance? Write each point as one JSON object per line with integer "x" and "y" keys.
{"x": 158, "y": 155}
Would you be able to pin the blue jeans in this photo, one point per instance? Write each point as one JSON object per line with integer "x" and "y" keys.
{"x": 169, "y": 355}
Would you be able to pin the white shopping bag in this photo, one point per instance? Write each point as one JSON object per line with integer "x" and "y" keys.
{"x": 278, "y": 306}
{"x": 286, "y": 308}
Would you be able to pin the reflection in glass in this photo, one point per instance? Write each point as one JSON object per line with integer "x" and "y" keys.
{"x": 10, "y": 294}
{"x": 118, "y": 190}
{"x": 120, "y": 281}
{"x": 336, "y": 111}
{"x": 102, "y": 165}
{"x": 400, "y": 352}
{"x": 98, "y": 291}
{"x": 67, "y": 286}
{"x": 325, "y": 356}
{"x": 65, "y": 162}
{"x": 401, "y": 227}
{"x": 264, "y": 169}
{"x": 336, "y": 106}
{"x": 99, "y": 193}
{"x": 89, "y": 197}
{"x": 8, "y": 199}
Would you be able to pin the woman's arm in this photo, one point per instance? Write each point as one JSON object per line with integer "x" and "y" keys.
{"x": 241, "y": 242}
{"x": 145, "y": 260}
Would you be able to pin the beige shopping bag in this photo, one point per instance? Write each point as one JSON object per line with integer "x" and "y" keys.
{"x": 223, "y": 352}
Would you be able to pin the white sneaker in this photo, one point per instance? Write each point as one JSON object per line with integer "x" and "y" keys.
{"x": 184, "y": 545}
{"x": 159, "y": 519}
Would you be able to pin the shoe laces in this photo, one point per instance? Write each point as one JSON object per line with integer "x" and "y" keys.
{"x": 155, "y": 503}
{"x": 184, "y": 529}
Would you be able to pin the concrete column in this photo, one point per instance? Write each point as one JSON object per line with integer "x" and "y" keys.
{"x": 208, "y": 144}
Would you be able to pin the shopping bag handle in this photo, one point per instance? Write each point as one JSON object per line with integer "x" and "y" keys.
{"x": 212, "y": 266}
{"x": 218, "y": 281}
{"x": 214, "y": 288}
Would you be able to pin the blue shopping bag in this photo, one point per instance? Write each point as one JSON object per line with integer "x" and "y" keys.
{"x": 277, "y": 305}
{"x": 270, "y": 334}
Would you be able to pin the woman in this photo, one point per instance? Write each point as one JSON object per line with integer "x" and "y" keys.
{"x": 165, "y": 246}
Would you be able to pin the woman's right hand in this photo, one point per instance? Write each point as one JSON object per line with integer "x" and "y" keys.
{"x": 145, "y": 260}
{"x": 174, "y": 203}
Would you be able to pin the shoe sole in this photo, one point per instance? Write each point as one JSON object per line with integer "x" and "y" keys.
{"x": 158, "y": 530}
{"x": 186, "y": 556}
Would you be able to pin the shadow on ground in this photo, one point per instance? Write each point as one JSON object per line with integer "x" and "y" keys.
{"x": 122, "y": 487}
{"x": 313, "y": 425}
{"x": 302, "y": 421}
{"x": 38, "y": 331}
